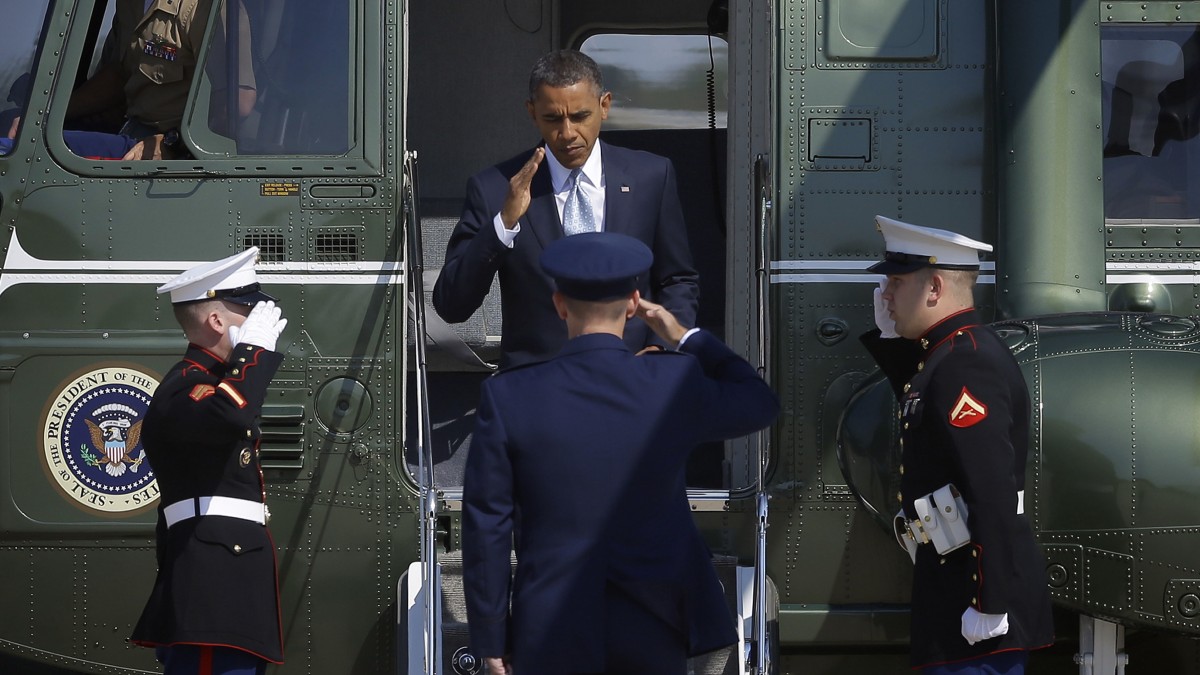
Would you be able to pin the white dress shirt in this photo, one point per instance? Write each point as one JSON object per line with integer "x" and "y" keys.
{"x": 591, "y": 183}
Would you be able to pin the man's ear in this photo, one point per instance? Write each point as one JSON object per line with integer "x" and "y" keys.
{"x": 631, "y": 304}
{"x": 560, "y": 305}
{"x": 215, "y": 321}
{"x": 937, "y": 286}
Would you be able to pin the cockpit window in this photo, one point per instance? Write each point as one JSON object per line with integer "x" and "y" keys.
{"x": 1151, "y": 104}
{"x": 662, "y": 81}
{"x": 297, "y": 56}
{"x": 19, "y": 33}
{"x": 233, "y": 78}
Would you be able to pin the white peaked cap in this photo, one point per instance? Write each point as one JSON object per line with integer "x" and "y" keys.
{"x": 231, "y": 279}
{"x": 911, "y": 247}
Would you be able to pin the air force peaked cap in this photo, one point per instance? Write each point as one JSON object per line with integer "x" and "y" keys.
{"x": 597, "y": 265}
{"x": 911, "y": 247}
{"x": 230, "y": 279}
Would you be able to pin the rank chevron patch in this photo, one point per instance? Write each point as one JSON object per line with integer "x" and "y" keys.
{"x": 967, "y": 411}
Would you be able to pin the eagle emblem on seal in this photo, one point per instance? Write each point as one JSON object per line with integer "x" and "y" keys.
{"x": 117, "y": 436}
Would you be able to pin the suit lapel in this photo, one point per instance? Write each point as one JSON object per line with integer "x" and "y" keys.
{"x": 542, "y": 215}
{"x": 618, "y": 191}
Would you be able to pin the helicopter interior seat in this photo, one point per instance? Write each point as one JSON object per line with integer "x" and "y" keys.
{"x": 700, "y": 172}
{"x": 455, "y": 353}
{"x": 299, "y": 70}
{"x": 699, "y": 159}
{"x": 482, "y": 331}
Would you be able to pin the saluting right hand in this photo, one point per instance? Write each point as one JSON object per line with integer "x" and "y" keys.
{"x": 497, "y": 666}
{"x": 661, "y": 321}
{"x": 517, "y": 201}
{"x": 262, "y": 327}
{"x": 883, "y": 320}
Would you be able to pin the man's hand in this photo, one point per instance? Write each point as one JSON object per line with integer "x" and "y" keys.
{"x": 497, "y": 666}
{"x": 12, "y": 130}
{"x": 977, "y": 626}
{"x": 883, "y": 320}
{"x": 661, "y": 321}
{"x": 149, "y": 147}
{"x": 261, "y": 328}
{"x": 517, "y": 201}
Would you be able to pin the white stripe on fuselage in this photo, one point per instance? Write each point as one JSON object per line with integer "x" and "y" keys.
{"x": 841, "y": 272}
{"x": 22, "y": 268}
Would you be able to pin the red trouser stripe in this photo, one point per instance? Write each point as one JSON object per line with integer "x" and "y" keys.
{"x": 205, "y": 666}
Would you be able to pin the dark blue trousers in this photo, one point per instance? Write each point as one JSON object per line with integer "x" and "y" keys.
{"x": 97, "y": 145}
{"x": 1004, "y": 663}
{"x": 204, "y": 660}
{"x": 636, "y": 641}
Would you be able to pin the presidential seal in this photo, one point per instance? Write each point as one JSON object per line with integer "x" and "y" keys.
{"x": 91, "y": 440}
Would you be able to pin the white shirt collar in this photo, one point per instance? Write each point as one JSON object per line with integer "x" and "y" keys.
{"x": 593, "y": 169}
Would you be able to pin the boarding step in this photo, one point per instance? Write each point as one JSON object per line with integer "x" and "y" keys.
{"x": 456, "y": 656}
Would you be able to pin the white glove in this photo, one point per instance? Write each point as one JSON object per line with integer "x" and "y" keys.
{"x": 262, "y": 327}
{"x": 887, "y": 327}
{"x": 977, "y": 626}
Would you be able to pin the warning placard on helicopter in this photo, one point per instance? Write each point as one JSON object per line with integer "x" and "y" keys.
{"x": 91, "y": 440}
{"x": 279, "y": 189}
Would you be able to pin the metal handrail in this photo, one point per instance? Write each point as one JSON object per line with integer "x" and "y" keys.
{"x": 763, "y": 206}
{"x": 415, "y": 269}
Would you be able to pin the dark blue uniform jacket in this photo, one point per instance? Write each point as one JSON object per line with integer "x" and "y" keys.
{"x": 216, "y": 581}
{"x": 964, "y": 418}
{"x": 583, "y": 458}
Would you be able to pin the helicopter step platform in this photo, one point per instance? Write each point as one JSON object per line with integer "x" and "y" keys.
{"x": 456, "y": 656}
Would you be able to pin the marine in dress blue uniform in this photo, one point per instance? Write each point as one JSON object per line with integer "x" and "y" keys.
{"x": 514, "y": 210}
{"x": 964, "y": 418}
{"x": 214, "y": 607}
{"x": 579, "y": 462}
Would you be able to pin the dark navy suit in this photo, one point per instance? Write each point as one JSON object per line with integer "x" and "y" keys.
{"x": 583, "y": 458}
{"x": 965, "y": 418}
{"x": 641, "y": 199}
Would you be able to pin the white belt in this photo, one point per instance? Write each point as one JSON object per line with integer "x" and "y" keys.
{"x": 229, "y": 507}
{"x": 916, "y": 531}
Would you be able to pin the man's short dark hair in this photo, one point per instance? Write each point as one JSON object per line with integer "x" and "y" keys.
{"x": 191, "y": 315}
{"x": 564, "y": 68}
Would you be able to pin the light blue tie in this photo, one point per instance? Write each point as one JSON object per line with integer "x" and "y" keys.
{"x": 577, "y": 212}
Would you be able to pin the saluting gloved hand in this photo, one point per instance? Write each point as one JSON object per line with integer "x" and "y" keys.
{"x": 977, "y": 626}
{"x": 887, "y": 327}
{"x": 262, "y": 327}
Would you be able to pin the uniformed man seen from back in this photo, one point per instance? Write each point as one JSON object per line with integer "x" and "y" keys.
{"x": 582, "y": 457}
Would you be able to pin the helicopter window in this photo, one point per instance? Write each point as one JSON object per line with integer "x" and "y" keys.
{"x": 301, "y": 56}
{"x": 662, "y": 81}
{"x": 97, "y": 37}
{"x": 105, "y": 116}
{"x": 1151, "y": 124}
{"x": 19, "y": 34}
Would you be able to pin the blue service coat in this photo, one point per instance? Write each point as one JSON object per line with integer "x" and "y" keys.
{"x": 583, "y": 457}
{"x": 641, "y": 199}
